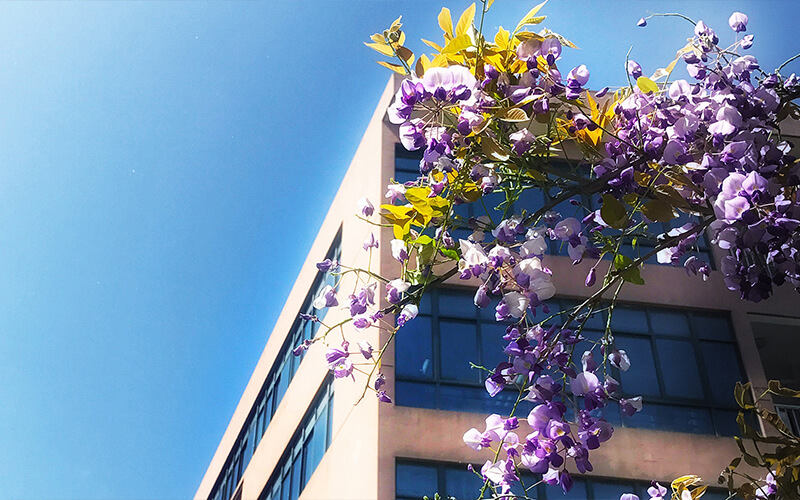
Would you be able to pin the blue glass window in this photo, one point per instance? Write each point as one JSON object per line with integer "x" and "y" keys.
{"x": 274, "y": 388}
{"x": 686, "y": 381}
{"x": 415, "y": 479}
{"x": 305, "y": 449}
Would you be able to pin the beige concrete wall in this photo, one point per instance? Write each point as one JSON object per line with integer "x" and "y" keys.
{"x": 355, "y": 427}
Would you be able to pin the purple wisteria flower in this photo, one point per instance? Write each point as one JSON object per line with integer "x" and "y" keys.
{"x": 738, "y": 22}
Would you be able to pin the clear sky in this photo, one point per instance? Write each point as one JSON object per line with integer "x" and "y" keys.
{"x": 164, "y": 167}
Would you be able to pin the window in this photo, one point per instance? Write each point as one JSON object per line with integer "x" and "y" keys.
{"x": 684, "y": 363}
{"x": 415, "y": 479}
{"x": 275, "y": 386}
{"x": 407, "y": 169}
{"x": 434, "y": 352}
{"x": 305, "y": 450}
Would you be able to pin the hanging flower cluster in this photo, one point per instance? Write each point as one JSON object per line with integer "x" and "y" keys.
{"x": 496, "y": 117}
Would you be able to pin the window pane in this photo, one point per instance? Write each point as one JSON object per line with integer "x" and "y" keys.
{"x": 456, "y": 304}
{"x": 640, "y": 379}
{"x": 722, "y": 368}
{"x": 606, "y": 490}
{"x": 418, "y": 395}
{"x": 681, "y": 376}
{"x": 725, "y": 423}
{"x": 414, "y": 350}
{"x": 628, "y": 319}
{"x": 297, "y": 471}
{"x": 672, "y": 418}
{"x": 415, "y": 481}
{"x": 578, "y": 491}
{"x": 492, "y": 345}
{"x": 669, "y": 322}
{"x": 707, "y": 326}
{"x": 461, "y": 483}
{"x": 458, "y": 347}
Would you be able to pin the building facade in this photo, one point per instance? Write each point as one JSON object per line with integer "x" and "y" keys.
{"x": 296, "y": 433}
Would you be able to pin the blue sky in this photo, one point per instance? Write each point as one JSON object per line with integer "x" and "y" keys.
{"x": 164, "y": 168}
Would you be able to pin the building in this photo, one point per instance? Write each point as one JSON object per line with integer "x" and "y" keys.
{"x": 297, "y": 434}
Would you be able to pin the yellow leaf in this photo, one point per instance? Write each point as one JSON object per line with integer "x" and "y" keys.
{"x": 513, "y": 115}
{"x": 445, "y": 22}
{"x": 396, "y": 25}
{"x": 378, "y": 38}
{"x": 698, "y": 492}
{"x": 496, "y": 61}
{"x": 646, "y": 85}
{"x": 405, "y": 54}
{"x": 457, "y": 44}
{"x": 530, "y": 15}
{"x": 383, "y": 49}
{"x": 432, "y": 45}
{"x": 418, "y": 197}
{"x": 465, "y": 21}
{"x": 400, "y": 40}
{"x": 489, "y": 4}
{"x": 439, "y": 61}
{"x": 493, "y": 149}
{"x": 501, "y": 38}
{"x": 394, "y": 67}
{"x": 423, "y": 63}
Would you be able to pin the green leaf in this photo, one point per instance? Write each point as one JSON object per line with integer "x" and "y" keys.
{"x": 646, "y": 85}
{"x": 613, "y": 212}
{"x": 449, "y": 252}
{"x": 530, "y": 17}
{"x": 630, "y": 274}
{"x": 658, "y": 211}
{"x": 423, "y": 239}
{"x": 457, "y": 44}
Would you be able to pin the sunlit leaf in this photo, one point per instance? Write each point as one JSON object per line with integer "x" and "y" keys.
{"x": 397, "y": 68}
{"x": 465, "y": 21}
{"x": 457, "y": 44}
{"x": 382, "y": 48}
{"x": 493, "y": 149}
{"x": 446, "y": 22}
{"x": 628, "y": 272}
{"x": 530, "y": 15}
{"x": 513, "y": 115}
{"x": 646, "y": 85}
{"x": 501, "y": 38}
{"x": 405, "y": 54}
{"x": 378, "y": 38}
{"x": 433, "y": 45}
{"x": 396, "y": 25}
{"x": 423, "y": 63}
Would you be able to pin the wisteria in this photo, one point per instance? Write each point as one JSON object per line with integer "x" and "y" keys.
{"x": 497, "y": 117}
